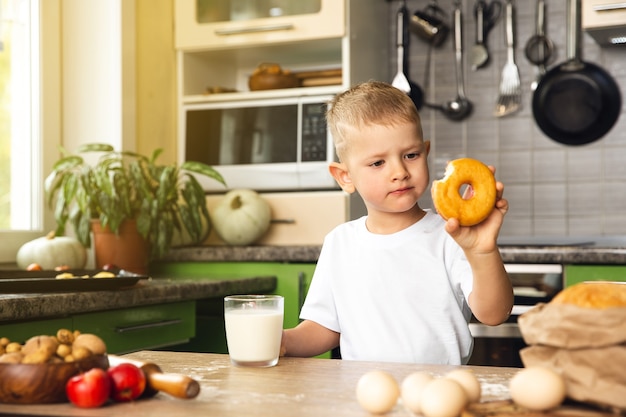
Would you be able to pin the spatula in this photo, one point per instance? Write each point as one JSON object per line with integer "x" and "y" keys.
{"x": 510, "y": 98}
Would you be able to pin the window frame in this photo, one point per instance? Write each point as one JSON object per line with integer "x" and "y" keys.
{"x": 48, "y": 130}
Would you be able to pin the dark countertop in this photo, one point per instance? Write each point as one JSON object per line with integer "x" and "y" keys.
{"x": 158, "y": 291}
{"x": 596, "y": 254}
{"x": 147, "y": 292}
{"x": 306, "y": 254}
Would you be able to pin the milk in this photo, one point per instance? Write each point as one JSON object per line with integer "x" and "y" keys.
{"x": 254, "y": 336}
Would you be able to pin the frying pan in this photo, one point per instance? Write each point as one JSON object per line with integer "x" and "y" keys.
{"x": 576, "y": 102}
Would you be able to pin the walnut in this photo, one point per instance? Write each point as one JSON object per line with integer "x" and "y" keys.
{"x": 65, "y": 336}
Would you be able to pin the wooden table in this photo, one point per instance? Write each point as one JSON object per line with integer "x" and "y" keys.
{"x": 296, "y": 387}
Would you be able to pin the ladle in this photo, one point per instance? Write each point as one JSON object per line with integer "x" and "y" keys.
{"x": 460, "y": 107}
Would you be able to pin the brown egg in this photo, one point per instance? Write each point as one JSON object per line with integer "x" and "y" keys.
{"x": 377, "y": 392}
{"x": 537, "y": 388}
{"x": 469, "y": 382}
{"x": 443, "y": 397}
{"x": 411, "y": 390}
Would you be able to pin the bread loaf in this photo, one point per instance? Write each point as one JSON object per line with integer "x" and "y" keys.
{"x": 593, "y": 294}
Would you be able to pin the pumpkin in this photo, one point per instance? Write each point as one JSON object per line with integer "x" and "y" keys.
{"x": 241, "y": 217}
{"x": 52, "y": 251}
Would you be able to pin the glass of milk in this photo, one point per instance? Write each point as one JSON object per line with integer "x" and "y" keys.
{"x": 254, "y": 326}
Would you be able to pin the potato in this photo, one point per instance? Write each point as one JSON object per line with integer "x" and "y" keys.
{"x": 46, "y": 344}
{"x": 65, "y": 346}
{"x": 13, "y": 357}
{"x": 38, "y": 356}
{"x": 13, "y": 347}
{"x": 81, "y": 352}
{"x": 63, "y": 350}
{"x": 91, "y": 342}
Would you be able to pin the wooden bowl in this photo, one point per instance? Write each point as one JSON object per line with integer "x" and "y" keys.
{"x": 272, "y": 77}
{"x": 42, "y": 383}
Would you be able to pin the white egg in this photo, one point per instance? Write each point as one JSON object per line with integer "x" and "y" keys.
{"x": 443, "y": 397}
{"x": 411, "y": 390}
{"x": 537, "y": 388}
{"x": 469, "y": 382}
{"x": 377, "y": 392}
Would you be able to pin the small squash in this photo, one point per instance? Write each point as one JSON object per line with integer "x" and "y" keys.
{"x": 52, "y": 251}
{"x": 242, "y": 217}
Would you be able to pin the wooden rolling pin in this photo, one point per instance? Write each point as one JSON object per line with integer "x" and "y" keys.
{"x": 177, "y": 385}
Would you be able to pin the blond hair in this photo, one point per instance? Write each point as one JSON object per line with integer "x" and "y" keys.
{"x": 369, "y": 103}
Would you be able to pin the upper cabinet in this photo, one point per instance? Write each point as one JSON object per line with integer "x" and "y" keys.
{"x": 605, "y": 21}
{"x": 211, "y": 24}
{"x": 221, "y": 42}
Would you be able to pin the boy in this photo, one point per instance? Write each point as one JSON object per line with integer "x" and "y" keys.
{"x": 399, "y": 284}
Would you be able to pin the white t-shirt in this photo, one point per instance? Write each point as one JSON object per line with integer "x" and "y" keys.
{"x": 396, "y": 298}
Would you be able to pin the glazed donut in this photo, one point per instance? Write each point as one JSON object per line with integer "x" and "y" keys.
{"x": 446, "y": 192}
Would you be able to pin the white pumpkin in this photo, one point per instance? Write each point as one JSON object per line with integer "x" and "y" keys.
{"x": 241, "y": 217}
{"x": 52, "y": 251}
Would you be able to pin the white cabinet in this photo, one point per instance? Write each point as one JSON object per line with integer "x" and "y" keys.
{"x": 221, "y": 54}
{"x": 605, "y": 20}
{"x": 204, "y": 24}
{"x": 351, "y": 35}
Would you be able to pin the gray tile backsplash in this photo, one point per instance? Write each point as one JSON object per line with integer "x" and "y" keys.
{"x": 553, "y": 189}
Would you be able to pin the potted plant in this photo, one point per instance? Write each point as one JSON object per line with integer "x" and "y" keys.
{"x": 122, "y": 188}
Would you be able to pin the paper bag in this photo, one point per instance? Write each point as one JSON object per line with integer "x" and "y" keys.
{"x": 573, "y": 327}
{"x": 594, "y": 376}
{"x": 587, "y": 346}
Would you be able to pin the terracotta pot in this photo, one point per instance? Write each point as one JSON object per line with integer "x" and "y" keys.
{"x": 127, "y": 249}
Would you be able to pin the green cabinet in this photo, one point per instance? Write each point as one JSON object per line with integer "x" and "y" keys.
{"x": 293, "y": 280}
{"x": 579, "y": 273}
{"x": 123, "y": 330}
{"x": 23, "y": 330}
{"x": 146, "y": 327}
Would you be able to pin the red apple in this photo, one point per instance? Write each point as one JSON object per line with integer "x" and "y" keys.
{"x": 89, "y": 389}
{"x": 127, "y": 382}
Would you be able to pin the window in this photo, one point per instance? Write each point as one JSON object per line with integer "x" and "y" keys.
{"x": 22, "y": 94}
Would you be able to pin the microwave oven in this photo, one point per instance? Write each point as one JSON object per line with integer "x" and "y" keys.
{"x": 270, "y": 144}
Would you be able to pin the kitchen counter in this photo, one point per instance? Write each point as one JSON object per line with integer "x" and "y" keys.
{"x": 146, "y": 292}
{"x": 295, "y": 387}
{"x": 578, "y": 253}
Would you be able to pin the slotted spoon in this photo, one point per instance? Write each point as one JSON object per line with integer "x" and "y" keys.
{"x": 510, "y": 97}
